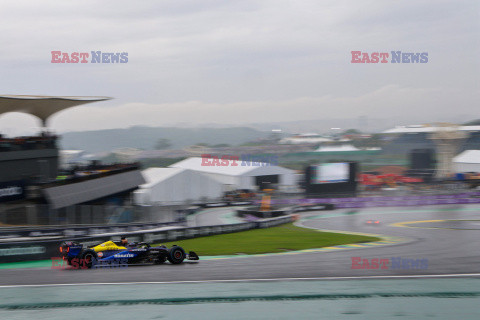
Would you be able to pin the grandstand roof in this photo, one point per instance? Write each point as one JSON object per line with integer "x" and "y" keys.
{"x": 42, "y": 106}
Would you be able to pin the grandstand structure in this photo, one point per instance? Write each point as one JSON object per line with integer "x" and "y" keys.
{"x": 29, "y": 165}
{"x": 33, "y": 158}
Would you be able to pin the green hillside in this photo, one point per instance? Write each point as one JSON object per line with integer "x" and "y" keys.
{"x": 146, "y": 137}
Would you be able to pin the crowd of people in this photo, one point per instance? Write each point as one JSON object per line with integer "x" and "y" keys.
{"x": 43, "y": 141}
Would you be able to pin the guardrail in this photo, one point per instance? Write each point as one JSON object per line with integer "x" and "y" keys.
{"x": 219, "y": 204}
{"x": 76, "y": 231}
{"x": 176, "y": 217}
{"x": 42, "y": 215}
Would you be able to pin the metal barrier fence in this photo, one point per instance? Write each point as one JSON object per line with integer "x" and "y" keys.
{"x": 388, "y": 201}
{"x": 88, "y": 215}
{"x": 439, "y": 188}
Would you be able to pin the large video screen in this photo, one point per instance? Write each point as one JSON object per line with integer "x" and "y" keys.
{"x": 330, "y": 173}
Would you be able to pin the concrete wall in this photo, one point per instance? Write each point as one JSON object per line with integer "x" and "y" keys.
{"x": 27, "y": 164}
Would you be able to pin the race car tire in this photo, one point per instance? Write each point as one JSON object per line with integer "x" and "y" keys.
{"x": 89, "y": 259}
{"x": 176, "y": 255}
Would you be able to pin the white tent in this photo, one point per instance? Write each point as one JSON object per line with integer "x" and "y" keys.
{"x": 241, "y": 176}
{"x": 176, "y": 186}
{"x": 467, "y": 161}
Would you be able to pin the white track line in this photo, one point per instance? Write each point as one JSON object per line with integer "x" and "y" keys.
{"x": 425, "y": 276}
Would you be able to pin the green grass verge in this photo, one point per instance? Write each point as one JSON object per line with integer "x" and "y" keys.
{"x": 271, "y": 240}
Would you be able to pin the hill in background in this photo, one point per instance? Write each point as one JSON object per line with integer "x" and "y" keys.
{"x": 146, "y": 137}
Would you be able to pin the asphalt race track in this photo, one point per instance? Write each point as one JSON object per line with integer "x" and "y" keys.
{"x": 450, "y": 250}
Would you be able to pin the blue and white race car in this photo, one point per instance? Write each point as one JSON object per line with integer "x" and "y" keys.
{"x": 110, "y": 253}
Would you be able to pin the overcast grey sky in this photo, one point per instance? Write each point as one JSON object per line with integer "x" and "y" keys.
{"x": 205, "y": 61}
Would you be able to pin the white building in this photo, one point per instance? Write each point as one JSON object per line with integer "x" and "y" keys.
{"x": 243, "y": 175}
{"x": 305, "y": 138}
{"x": 168, "y": 186}
{"x": 69, "y": 158}
{"x": 467, "y": 161}
{"x": 343, "y": 148}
